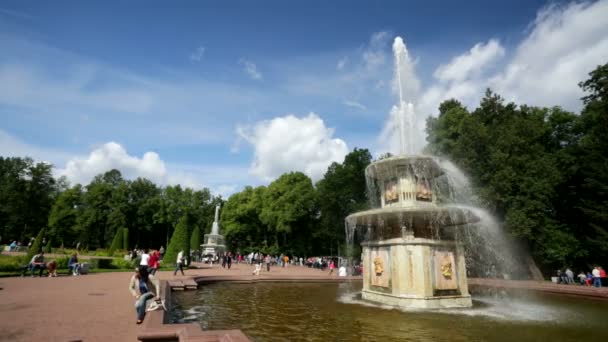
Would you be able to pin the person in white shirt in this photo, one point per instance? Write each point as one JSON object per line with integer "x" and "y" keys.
{"x": 145, "y": 257}
{"x": 179, "y": 263}
{"x": 342, "y": 271}
{"x": 597, "y": 281}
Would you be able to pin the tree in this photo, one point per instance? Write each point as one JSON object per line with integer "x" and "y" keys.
{"x": 36, "y": 246}
{"x": 125, "y": 238}
{"x": 240, "y": 219}
{"x": 288, "y": 209}
{"x": 195, "y": 239}
{"x": 341, "y": 192}
{"x": 49, "y": 246}
{"x": 179, "y": 242}
{"x": 117, "y": 242}
{"x": 592, "y": 156}
{"x": 63, "y": 219}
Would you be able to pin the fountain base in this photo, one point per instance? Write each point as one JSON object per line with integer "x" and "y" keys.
{"x": 214, "y": 244}
{"x": 416, "y": 273}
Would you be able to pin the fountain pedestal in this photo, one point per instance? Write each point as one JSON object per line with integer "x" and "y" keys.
{"x": 411, "y": 257}
{"x": 415, "y": 273}
{"x": 214, "y": 242}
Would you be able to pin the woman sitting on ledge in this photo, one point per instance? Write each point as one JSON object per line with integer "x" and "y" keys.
{"x": 143, "y": 287}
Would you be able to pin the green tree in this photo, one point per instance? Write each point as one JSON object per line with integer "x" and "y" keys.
{"x": 240, "y": 220}
{"x": 592, "y": 156}
{"x": 195, "y": 239}
{"x": 125, "y": 238}
{"x": 63, "y": 219}
{"x": 341, "y": 192}
{"x": 36, "y": 245}
{"x": 117, "y": 242}
{"x": 179, "y": 242}
{"x": 49, "y": 246}
{"x": 288, "y": 210}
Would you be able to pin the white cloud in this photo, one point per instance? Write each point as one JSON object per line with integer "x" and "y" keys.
{"x": 112, "y": 155}
{"x": 251, "y": 69}
{"x": 289, "y": 143}
{"x": 354, "y": 104}
{"x": 198, "y": 54}
{"x": 563, "y": 45}
{"x": 460, "y": 68}
{"x": 342, "y": 63}
{"x": 374, "y": 54}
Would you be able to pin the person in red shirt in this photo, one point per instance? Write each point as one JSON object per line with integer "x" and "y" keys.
{"x": 154, "y": 262}
{"x": 602, "y": 275}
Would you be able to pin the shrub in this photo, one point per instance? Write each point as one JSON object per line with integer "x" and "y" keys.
{"x": 125, "y": 238}
{"x": 179, "y": 242}
{"x": 36, "y": 246}
{"x": 62, "y": 262}
{"x": 122, "y": 264}
{"x": 12, "y": 263}
{"x": 101, "y": 263}
{"x": 116, "y": 242}
{"x": 48, "y": 248}
{"x": 195, "y": 240}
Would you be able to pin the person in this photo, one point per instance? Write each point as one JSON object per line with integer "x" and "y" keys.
{"x": 229, "y": 260}
{"x": 602, "y": 275}
{"x": 597, "y": 282}
{"x": 154, "y": 262}
{"x": 570, "y": 276}
{"x": 331, "y": 267}
{"x": 145, "y": 258}
{"x": 267, "y": 262}
{"x": 582, "y": 277}
{"x": 342, "y": 271}
{"x": 179, "y": 263}
{"x": 37, "y": 263}
{"x": 162, "y": 252}
{"x": 256, "y": 271}
{"x": 143, "y": 287}
{"x": 51, "y": 268}
{"x": 73, "y": 265}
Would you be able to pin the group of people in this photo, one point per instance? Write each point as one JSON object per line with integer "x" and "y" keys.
{"x": 591, "y": 278}
{"x": 37, "y": 263}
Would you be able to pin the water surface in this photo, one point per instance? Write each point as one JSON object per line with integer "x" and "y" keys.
{"x": 334, "y": 312}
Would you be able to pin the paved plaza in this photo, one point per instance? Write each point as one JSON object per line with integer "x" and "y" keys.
{"x": 99, "y": 307}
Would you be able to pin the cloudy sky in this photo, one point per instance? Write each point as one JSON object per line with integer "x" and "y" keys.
{"x": 226, "y": 94}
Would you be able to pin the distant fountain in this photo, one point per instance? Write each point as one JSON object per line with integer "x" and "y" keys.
{"x": 411, "y": 254}
{"x": 214, "y": 242}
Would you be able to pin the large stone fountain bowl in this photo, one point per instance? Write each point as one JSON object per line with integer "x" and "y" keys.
{"x": 414, "y": 164}
{"x": 422, "y": 221}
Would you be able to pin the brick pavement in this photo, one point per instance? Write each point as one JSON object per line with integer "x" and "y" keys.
{"x": 99, "y": 307}
{"x": 95, "y": 307}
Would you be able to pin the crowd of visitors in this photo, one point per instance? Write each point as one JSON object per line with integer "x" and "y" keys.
{"x": 595, "y": 277}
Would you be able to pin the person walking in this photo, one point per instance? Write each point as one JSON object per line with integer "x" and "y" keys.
{"x": 267, "y": 262}
{"x": 179, "y": 264}
{"x": 597, "y": 281}
{"x": 331, "y": 267}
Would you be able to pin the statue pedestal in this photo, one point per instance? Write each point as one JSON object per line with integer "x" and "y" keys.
{"x": 214, "y": 244}
{"x": 415, "y": 273}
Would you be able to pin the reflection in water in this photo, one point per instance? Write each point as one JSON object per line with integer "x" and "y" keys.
{"x": 334, "y": 312}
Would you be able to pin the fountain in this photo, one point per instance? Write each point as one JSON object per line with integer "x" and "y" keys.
{"x": 214, "y": 242}
{"x": 411, "y": 257}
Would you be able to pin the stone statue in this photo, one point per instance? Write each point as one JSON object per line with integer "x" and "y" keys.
{"x": 378, "y": 265}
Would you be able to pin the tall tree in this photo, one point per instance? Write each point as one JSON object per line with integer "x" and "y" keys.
{"x": 179, "y": 242}
{"x": 341, "y": 192}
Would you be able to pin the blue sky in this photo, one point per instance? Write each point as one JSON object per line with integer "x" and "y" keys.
{"x": 220, "y": 94}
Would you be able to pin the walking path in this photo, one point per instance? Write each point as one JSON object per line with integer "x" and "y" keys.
{"x": 99, "y": 307}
